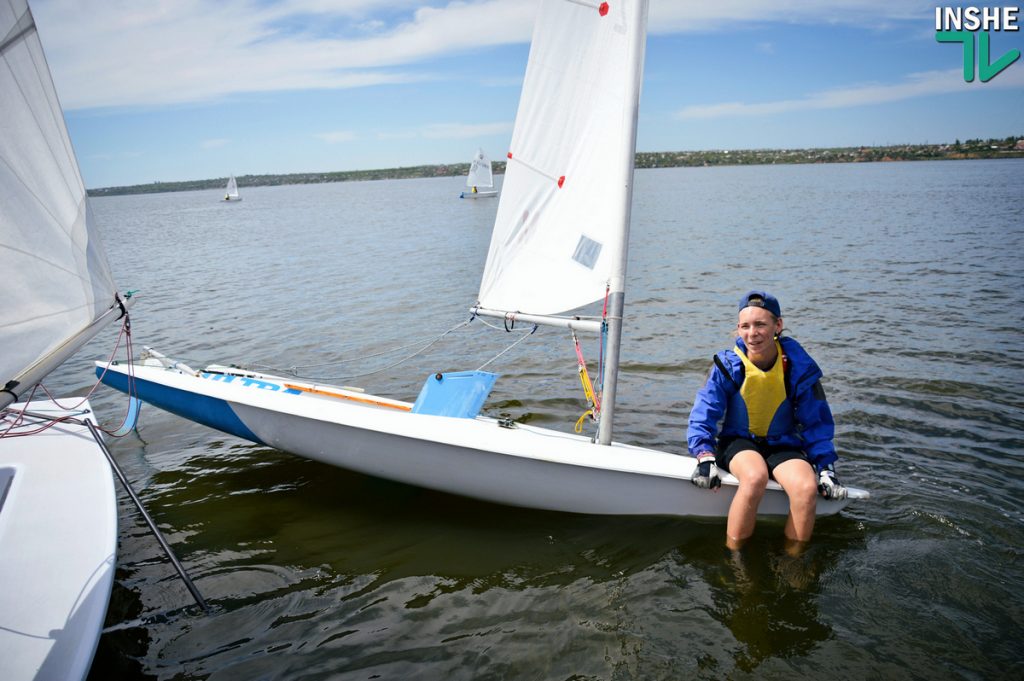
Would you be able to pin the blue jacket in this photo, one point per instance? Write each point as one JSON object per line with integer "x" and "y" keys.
{"x": 813, "y": 428}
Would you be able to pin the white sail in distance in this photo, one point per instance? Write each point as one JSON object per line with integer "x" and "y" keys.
{"x": 480, "y": 174}
{"x": 56, "y": 279}
{"x": 563, "y": 220}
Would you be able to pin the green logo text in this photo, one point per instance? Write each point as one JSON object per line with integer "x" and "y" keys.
{"x": 959, "y": 24}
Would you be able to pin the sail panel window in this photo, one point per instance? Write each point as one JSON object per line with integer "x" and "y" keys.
{"x": 587, "y": 252}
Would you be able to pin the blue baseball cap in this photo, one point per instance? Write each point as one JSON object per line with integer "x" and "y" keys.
{"x": 761, "y": 299}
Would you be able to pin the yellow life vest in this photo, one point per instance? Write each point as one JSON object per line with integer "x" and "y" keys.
{"x": 762, "y": 394}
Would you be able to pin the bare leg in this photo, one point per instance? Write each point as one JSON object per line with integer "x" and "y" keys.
{"x": 750, "y": 469}
{"x": 797, "y": 478}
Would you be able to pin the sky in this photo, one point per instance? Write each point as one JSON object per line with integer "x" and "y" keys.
{"x": 173, "y": 90}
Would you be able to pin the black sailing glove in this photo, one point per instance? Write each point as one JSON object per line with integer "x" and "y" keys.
{"x": 828, "y": 483}
{"x": 706, "y": 474}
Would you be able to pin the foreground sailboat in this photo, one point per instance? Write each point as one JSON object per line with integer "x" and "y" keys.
{"x": 480, "y": 179}
{"x": 58, "y": 510}
{"x": 231, "y": 190}
{"x": 559, "y": 242}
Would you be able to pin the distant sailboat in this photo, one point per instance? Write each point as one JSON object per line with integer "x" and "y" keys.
{"x": 58, "y": 508}
{"x": 479, "y": 177}
{"x": 231, "y": 191}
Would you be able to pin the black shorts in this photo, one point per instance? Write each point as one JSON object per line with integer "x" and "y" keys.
{"x": 773, "y": 454}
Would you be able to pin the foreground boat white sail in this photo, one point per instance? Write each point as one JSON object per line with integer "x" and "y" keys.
{"x": 58, "y": 510}
{"x": 480, "y": 179}
{"x": 559, "y": 243}
{"x": 231, "y": 190}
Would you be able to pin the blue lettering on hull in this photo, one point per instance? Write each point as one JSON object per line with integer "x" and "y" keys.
{"x": 202, "y": 409}
{"x": 249, "y": 382}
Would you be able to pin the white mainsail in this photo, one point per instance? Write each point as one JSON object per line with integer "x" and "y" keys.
{"x": 480, "y": 171}
{"x": 58, "y": 526}
{"x": 56, "y": 281}
{"x": 231, "y": 191}
{"x": 560, "y": 233}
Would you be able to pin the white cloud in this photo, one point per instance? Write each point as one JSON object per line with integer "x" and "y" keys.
{"x": 213, "y": 143}
{"x": 711, "y": 15}
{"x": 107, "y": 53}
{"x": 916, "y": 85}
{"x": 337, "y": 136}
{"x": 113, "y": 53}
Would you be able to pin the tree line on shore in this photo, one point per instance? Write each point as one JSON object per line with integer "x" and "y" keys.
{"x": 1010, "y": 147}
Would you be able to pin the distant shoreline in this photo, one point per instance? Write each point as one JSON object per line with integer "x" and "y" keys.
{"x": 1012, "y": 147}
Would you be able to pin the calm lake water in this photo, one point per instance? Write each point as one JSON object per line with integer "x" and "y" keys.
{"x": 903, "y": 280}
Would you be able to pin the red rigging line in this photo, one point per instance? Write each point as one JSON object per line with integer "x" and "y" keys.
{"x": 560, "y": 180}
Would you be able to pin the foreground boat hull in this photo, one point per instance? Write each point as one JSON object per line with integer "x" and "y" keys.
{"x": 58, "y": 538}
{"x": 477, "y": 458}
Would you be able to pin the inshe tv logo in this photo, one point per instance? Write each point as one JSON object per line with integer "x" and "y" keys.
{"x": 959, "y": 24}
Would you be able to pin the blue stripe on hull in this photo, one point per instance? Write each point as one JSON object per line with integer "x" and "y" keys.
{"x": 202, "y": 409}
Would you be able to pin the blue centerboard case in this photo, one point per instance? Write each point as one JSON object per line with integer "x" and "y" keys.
{"x": 460, "y": 394}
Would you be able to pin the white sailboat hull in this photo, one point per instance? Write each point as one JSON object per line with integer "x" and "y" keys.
{"x": 479, "y": 195}
{"x": 58, "y": 538}
{"x": 521, "y": 466}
